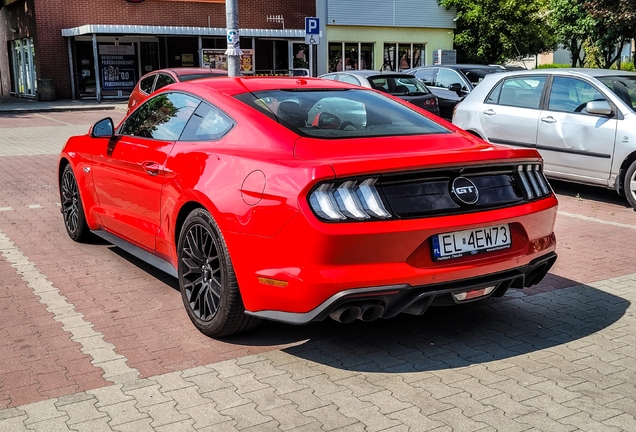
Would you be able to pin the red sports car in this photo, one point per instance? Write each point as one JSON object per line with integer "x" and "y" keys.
{"x": 298, "y": 199}
{"x": 156, "y": 80}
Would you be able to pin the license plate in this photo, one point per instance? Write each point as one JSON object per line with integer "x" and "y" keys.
{"x": 470, "y": 242}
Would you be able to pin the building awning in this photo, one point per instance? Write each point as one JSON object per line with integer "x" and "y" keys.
{"x": 177, "y": 31}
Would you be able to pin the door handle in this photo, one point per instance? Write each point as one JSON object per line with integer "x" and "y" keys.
{"x": 151, "y": 168}
{"x": 490, "y": 112}
{"x": 548, "y": 119}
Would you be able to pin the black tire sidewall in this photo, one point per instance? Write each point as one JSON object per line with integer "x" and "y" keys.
{"x": 82, "y": 227}
{"x": 629, "y": 194}
{"x": 218, "y": 321}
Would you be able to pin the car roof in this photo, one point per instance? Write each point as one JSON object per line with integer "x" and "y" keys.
{"x": 367, "y": 73}
{"x": 237, "y": 85}
{"x": 573, "y": 71}
{"x": 457, "y": 66}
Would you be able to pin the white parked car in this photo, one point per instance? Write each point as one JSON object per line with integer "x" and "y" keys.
{"x": 582, "y": 121}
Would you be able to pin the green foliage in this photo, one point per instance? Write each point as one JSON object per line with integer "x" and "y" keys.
{"x": 572, "y": 25}
{"x": 554, "y": 65}
{"x": 625, "y": 66}
{"x": 494, "y": 31}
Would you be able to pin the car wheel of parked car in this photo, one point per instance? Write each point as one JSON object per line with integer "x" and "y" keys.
{"x": 72, "y": 209}
{"x": 207, "y": 281}
{"x": 630, "y": 185}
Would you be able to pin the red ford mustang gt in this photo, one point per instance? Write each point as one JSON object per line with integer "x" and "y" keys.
{"x": 300, "y": 199}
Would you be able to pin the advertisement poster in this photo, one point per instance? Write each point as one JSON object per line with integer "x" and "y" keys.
{"x": 216, "y": 59}
{"x": 118, "y": 66}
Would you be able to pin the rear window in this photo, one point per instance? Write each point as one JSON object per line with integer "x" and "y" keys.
{"x": 476, "y": 75}
{"x": 197, "y": 76}
{"x": 399, "y": 85}
{"x": 346, "y": 113}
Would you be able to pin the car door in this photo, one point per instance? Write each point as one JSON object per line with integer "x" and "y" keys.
{"x": 510, "y": 113}
{"x": 576, "y": 145}
{"x": 129, "y": 173}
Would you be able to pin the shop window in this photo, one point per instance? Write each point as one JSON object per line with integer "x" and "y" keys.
{"x": 399, "y": 57}
{"x": 350, "y": 56}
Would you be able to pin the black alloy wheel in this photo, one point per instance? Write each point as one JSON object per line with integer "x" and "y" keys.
{"x": 209, "y": 289}
{"x": 72, "y": 209}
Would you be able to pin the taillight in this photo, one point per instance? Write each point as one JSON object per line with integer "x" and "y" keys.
{"x": 349, "y": 200}
{"x": 533, "y": 181}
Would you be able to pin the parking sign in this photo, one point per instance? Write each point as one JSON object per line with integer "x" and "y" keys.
{"x": 312, "y": 26}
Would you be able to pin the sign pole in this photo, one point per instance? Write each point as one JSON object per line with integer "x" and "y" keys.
{"x": 233, "y": 51}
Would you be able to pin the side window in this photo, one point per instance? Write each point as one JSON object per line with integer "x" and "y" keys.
{"x": 162, "y": 117}
{"x": 426, "y": 76}
{"x": 493, "y": 97}
{"x": 572, "y": 95}
{"x": 329, "y": 77}
{"x": 349, "y": 79}
{"x": 163, "y": 80}
{"x": 146, "y": 84}
{"x": 522, "y": 92}
{"x": 207, "y": 123}
{"x": 446, "y": 77}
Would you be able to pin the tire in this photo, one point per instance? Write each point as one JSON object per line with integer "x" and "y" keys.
{"x": 208, "y": 285}
{"x": 629, "y": 185}
{"x": 72, "y": 208}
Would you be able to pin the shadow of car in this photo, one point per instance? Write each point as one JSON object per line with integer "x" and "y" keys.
{"x": 397, "y": 84}
{"x": 451, "y": 83}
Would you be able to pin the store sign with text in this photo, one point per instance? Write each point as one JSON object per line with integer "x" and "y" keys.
{"x": 118, "y": 67}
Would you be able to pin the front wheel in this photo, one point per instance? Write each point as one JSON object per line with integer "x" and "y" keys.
{"x": 209, "y": 289}
{"x": 72, "y": 208}
{"x": 630, "y": 185}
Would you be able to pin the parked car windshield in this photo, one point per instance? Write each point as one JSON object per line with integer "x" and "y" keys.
{"x": 340, "y": 113}
{"x": 475, "y": 75}
{"x": 624, "y": 86}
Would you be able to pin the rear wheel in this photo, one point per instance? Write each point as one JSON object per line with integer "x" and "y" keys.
{"x": 72, "y": 209}
{"x": 630, "y": 185}
{"x": 209, "y": 289}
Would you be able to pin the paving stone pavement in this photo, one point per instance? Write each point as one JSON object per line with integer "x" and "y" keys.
{"x": 75, "y": 357}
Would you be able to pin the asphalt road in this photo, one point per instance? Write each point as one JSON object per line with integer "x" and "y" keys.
{"x": 93, "y": 339}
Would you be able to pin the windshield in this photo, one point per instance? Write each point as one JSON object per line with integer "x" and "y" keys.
{"x": 399, "y": 85}
{"x": 476, "y": 75}
{"x": 623, "y": 86}
{"x": 341, "y": 113}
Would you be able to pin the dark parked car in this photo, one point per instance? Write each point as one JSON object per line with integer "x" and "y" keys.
{"x": 451, "y": 83}
{"x": 398, "y": 84}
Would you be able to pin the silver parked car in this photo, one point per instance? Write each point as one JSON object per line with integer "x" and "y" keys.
{"x": 582, "y": 121}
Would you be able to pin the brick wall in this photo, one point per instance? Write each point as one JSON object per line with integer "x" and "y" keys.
{"x": 51, "y": 16}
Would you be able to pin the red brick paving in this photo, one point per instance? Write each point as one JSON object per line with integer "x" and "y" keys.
{"x": 140, "y": 312}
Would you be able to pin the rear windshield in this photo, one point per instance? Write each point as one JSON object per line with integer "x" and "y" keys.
{"x": 399, "y": 85}
{"x": 623, "y": 86}
{"x": 196, "y": 76}
{"x": 340, "y": 113}
{"x": 476, "y": 75}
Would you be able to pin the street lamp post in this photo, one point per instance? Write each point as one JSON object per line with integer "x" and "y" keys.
{"x": 233, "y": 51}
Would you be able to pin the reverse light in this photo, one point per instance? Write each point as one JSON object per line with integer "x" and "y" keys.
{"x": 468, "y": 295}
{"x": 350, "y": 200}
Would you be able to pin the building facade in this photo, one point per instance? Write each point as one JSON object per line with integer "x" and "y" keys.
{"x": 100, "y": 48}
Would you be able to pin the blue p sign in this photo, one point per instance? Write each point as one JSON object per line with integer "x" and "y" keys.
{"x": 312, "y": 26}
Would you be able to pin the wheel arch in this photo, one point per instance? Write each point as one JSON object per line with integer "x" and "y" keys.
{"x": 184, "y": 211}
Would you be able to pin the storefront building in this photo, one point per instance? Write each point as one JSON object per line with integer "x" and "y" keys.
{"x": 383, "y": 35}
{"x": 100, "y": 48}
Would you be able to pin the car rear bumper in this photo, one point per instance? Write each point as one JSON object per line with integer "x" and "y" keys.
{"x": 391, "y": 300}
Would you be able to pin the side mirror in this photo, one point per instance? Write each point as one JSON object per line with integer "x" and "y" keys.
{"x": 599, "y": 107}
{"x": 326, "y": 120}
{"x": 456, "y": 87}
{"x": 103, "y": 129}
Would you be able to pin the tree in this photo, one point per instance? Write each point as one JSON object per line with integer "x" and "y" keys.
{"x": 573, "y": 25}
{"x": 494, "y": 31}
{"x": 616, "y": 24}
